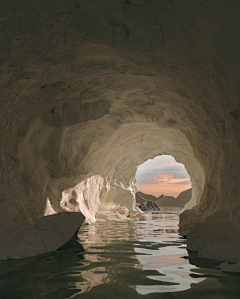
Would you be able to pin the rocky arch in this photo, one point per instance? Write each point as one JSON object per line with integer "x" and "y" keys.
{"x": 87, "y": 101}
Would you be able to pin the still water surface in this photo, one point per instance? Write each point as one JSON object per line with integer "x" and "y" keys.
{"x": 132, "y": 259}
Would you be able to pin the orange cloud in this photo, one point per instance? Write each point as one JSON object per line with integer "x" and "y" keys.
{"x": 171, "y": 163}
{"x": 168, "y": 179}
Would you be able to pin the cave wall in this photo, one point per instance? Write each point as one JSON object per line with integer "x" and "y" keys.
{"x": 90, "y": 90}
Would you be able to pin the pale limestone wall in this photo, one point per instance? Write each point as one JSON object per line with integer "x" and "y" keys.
{"x": 95, "y": 88}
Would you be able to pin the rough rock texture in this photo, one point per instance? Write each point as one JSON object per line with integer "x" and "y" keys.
{"x": 89, "y": 90}
{"x": 120, "y": 214}
{"x": 170, "y": 201}
{"x": 19, "y": 240}
{"x": 215, "y": 239}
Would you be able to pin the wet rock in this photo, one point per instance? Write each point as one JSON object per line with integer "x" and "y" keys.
{"x": 142, "y": 207}
{"x": 152, "y": 206}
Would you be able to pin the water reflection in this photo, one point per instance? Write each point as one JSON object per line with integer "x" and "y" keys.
{"x": 120, "y": 260}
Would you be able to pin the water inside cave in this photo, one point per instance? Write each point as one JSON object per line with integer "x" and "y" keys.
{"x": 130, "y": 259}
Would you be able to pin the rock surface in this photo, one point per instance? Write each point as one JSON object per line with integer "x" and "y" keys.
{"x": 89, "y": 90}
{"x": 215, "y": 239}
{"x": 149, "y": 206}
{"x": 19, "y": 240}
{"x": 120, "y": 214}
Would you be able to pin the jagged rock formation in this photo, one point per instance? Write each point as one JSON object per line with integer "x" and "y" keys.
{"x": 170, "y": 201}
{"x": 89, "y": 90}
{"x": 152, "y": 206}
{"x": 120, "y": 214}
{"x": 142, "y": 207}
{"x": 149, "y": 206}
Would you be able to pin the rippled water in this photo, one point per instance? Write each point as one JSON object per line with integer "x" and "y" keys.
{"x": 143, "y": 259}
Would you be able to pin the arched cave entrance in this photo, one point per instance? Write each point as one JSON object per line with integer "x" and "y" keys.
{"x": 163, "y": 80}
{"x": 164, "y": 182}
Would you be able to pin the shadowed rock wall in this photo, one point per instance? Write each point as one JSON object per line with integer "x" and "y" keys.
{"x": 92, "y": 89}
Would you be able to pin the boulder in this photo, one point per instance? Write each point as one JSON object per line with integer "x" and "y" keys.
{"x": 20, "y": 240}
{"x": 142, "y": 207}
{"x": 152, "y": 206}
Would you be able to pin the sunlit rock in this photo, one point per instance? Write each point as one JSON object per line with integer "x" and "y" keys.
{"x": 120, "y": 214}
{"x": 121, "y": 210}
{"x": 137, "y": 215}
{"x": 109, "y": 216}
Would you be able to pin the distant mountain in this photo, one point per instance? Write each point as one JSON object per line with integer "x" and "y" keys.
{"x": 170, "y": 201}
{"x": 166, "y": 201}
{"x": 143, "y": 198}
{"x": 184, "y": 197}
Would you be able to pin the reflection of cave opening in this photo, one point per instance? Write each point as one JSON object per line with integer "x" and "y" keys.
{"x": 164, "y": 182}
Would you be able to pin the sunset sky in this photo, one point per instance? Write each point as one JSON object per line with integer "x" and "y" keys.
{"x": 162, "y": 175}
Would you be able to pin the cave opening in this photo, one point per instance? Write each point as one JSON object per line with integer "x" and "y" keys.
{"x": 112, "y": 169}
{"x": 162, "y": 175}
{"x": 88, "y": 92}
{"x": 161, "y": 182}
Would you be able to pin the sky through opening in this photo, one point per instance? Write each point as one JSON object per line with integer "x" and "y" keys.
{"x": 162, "y": 175}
